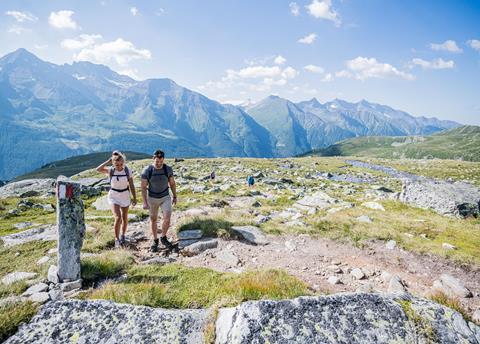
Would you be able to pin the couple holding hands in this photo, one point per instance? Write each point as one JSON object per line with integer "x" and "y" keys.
{"x": 156, "y": 182}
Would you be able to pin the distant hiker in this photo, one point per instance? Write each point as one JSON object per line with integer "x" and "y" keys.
{"x": 250, "y": 181}
{"x": 157, "y": 179}
{"x": 121, "y": 190}
{"x": 212, "y": 177}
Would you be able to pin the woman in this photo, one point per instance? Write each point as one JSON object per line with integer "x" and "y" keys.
{"x": 121, "y": 188}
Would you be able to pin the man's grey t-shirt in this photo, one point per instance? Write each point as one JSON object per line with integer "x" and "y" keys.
{"x": 158, "y": 183}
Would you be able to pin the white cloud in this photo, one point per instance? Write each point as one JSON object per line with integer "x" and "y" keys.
{"x": 160, "y": 11}
{"x": 254, "y": 72}
{"x": 314, "y": 69}
{"x": 132, "y": 73}
{"x": 119, "y": 51}
{"x": 279, "y": 60}
{"x": 323, "y": 9}
{"x": 363, "y": 68}
{"x": 81, "y": 42}
{"x": 327, "y": 78}
{"x": 474, "y": 44}
{"x": 18, "y": 30}
{"x": 62, "y": 20}
{"x": 308, "y": 39}
{"x": 21, "y": 16}
{"x": 449, "y": 45}
{"x": 40, "y": 46}
{"x": 294, "y": 9}
{"x": 434, "y": 64}
{"x": 289, "y": 73}
{"x": 134, "y": 11}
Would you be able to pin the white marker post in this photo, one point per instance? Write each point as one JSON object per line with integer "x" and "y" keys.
{"x": 71, "y": 229}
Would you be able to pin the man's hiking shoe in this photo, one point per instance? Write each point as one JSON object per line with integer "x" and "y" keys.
{"x": 167, "y": 243}
{"x": 154, "y": 247}
{"x": 117, "y": 243}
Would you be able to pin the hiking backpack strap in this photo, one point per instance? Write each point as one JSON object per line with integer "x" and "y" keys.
{"x": 127, "y": 172}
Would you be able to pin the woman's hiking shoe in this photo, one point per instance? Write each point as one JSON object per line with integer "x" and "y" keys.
{"x": 122, "y": 240}
{"x": 117, "y": 243}
{"x": 154, "y": 247}
{"x": 166, "y": 243}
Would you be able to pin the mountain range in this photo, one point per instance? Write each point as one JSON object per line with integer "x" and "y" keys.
{"x": 50, "y": 112}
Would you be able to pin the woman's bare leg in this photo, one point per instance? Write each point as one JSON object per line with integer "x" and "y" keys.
{"x": 117, "y": 216}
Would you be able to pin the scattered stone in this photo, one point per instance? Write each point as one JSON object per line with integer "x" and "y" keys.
{"x": 37, "y": 288}
{"x": 52, "y": 274}
{"x": 18, "y": 276}
{"x": 195, "y": 212}
{"x": 101, "y": 203}
{"x": 251, "y": 234}
{"x": 190, "y": 234}
{"x": 386, "y": 276}
{"x": 334, "y": 280}
{"x": 219, "y": 204}
{"x": 357, "y": 273}
{"x": 52, "y": 251}
{"x": 373, "y": 205}
{"x": 335, "y": 269}
{"x": 200, "y": 246}
{"x": 43, "y": 260}
{"x": 75, "y": 321}
{"x": 157, "y": 261}
{"x": 262, "y": 219}
{"x": 364, "y": 219}
{"x": 457, "y": 199}
{"x": 391, "y": 244}
{"x": 56, "y": 294}
{"x": 69, "y": 286}
{"x": 23, "y": 225}
{"x": 290, "y": 245}
{"x": 228, "y": 257}
{"x": 476, "y": 316}
{"x": 39, "y": 297}
{"x": 448, "y": 246}
{"x": 451, "y": 286}
{"x": 318, "y": 200}
{"x": 366, "y": 288}
{"x": 396, "y": 285}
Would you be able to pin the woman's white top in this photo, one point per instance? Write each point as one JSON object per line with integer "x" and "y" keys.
{"x": 119, "y": 181}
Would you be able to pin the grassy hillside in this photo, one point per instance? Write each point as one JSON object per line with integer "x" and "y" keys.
{"x": 459, "y": 143}
{"x": 76, "y": 164}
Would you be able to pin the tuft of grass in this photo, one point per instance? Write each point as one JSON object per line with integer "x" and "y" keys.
{"x": 12, "y": 315}
{"x": 177, "y": 286}
{"x": 422, "y": 326}
{"x": 27, "y": 256}
{"x": 453, "y": 303}
{"x": 13, "y": 289}
{"x": 106, "y": 265}
{"x": 101, "y": 238}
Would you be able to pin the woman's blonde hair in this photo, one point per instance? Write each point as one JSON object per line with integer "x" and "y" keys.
{"x": 117, "y": 155}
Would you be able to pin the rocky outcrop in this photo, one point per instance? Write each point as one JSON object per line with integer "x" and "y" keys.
{"x": 344, "y": 318}
{"x": 457, "y": 199}
{"x": 28, "y": 188}
{"x": 340, "y": 318}
{"x": 44, "y": 233}
{"x": 75, "y": 321}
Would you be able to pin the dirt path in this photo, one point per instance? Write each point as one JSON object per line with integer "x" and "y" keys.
{"x": 314, "y": 260}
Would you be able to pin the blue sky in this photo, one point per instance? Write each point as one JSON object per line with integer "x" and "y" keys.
{"x": 419, "y": 56}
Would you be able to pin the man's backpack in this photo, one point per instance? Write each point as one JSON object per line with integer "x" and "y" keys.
{"x": 149, "y": 176}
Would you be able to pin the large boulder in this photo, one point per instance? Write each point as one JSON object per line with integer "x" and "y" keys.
{"x": 101, "y": 321}
{"x": 28, "y": 188}
{"x": 44, "y": 233}
{"x": 457, "y": 199}
{"x": 344, "y": 318}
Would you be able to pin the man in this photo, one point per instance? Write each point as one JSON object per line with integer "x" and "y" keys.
{"x": 157, "y": 179}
